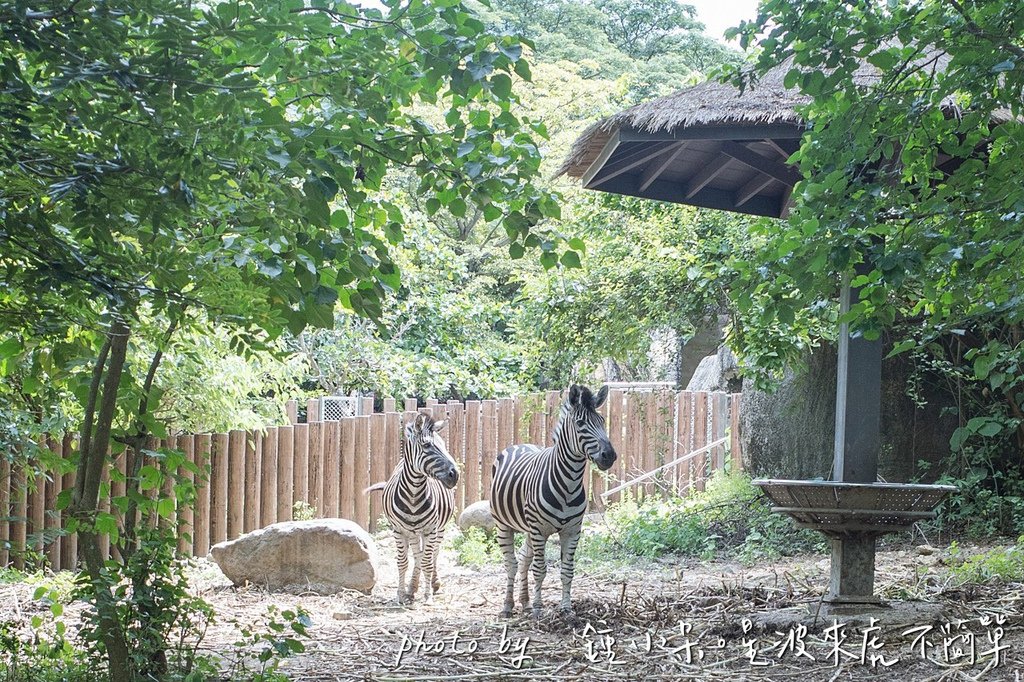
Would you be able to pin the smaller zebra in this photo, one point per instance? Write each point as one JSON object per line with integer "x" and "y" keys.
{"x": 418, "y": 501}
{"x": 539, "y": 491}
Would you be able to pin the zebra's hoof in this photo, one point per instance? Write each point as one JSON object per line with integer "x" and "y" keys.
{"x": 506, "y": 612}
{"x": 537, "y": 612}
{"x": 436, "y": 587}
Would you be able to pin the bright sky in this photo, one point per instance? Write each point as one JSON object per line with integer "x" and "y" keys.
{"x": 718, "y": 15}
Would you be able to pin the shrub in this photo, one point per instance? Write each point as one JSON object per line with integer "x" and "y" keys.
{"x": 999, "y": 564}
{"x": 729, "y": 517}
{"x": 476, "y": 548}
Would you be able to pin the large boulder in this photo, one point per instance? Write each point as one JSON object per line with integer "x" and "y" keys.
{"x": 324, "y": 556}
{"x": 718, "y": 372}
{"x": 790, "y": 432}
{"x": 477, "y": 515}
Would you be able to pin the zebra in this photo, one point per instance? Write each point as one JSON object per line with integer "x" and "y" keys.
{"x": 418, "y": 501}
{"x": 539, "y": 492}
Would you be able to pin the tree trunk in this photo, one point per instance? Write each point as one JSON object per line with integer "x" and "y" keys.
{"x": 85, "y": 501}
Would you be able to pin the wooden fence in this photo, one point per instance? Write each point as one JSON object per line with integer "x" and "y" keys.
{"x": 257, "y": 477}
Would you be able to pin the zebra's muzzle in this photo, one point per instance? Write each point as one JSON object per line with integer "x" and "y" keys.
{"x": 450, "y": 478}
{"x": 606, "y": 458}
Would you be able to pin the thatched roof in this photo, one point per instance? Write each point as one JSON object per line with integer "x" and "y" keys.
{"x": 707, "y": 145}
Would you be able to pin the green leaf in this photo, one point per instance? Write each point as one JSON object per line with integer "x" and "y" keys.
{"x": 516, "y": 250}
{"x": 501, "y": 85}
{"x": 571, "y": 259}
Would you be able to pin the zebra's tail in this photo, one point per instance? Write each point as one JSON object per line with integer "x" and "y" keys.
{"x": 375, "y": 487}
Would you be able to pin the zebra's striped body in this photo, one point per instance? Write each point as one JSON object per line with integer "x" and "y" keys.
{"x": 418, "y": 502}
{"x": 540, "y": 492}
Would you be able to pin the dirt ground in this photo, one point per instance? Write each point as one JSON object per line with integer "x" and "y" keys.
{"x": 644, "y": 620}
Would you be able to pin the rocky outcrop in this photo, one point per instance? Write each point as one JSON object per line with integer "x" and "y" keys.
{"x": 324, "y": 556}
{"x": 477, "y": 515}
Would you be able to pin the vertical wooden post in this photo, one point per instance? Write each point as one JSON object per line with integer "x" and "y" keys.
{"x": 268, "y": 478}
{"x": 552, "y": 410}
{"x": 411, "y": 404}
{"x": 700, "y": 439}
{"x": 338, "y": 471}
{"x": 300, "y": 481}
{"x": 735, "y": 451}
{"x": 343, "y": 491}
{"x": 389, "y": 405}
{"x": 718, "y": 421}
{"x": 167, "y": 487}
{"x": 537, "y": 420}
{"x": 431, "y": 403}
{"x": 186, "y": 512}
{"x": 488, "y": 444}
{"x": 506, "y": 423}
{"x": 219, "y": 489}
{"x": 201, "y": 535}
{"x": 5, "y": 511}
{"x": 317, "y": 447}
{"x": 393, "y": 435}
{"x": 631, "y": 439}
{"x": 471, "y": 468}
{"x": 253, "y": 472}
{"x": 454, "y": 438}
{"x": 236, "y": 484}
{"x": 684, "y": 440}
{"x": 291, "y": 410}
{"x": 360, "y": 470}
{"x": 69, "y": 543}
{"x": 615, "y": 428}
{"x": 104, "y": 506}
{"x": 19, "y": 515}
{"x": 377, "y": 465}
{"x": 53, "y": 522}
{"x": 37, "y": 507}
{"x": 313, "y": 411}
{"x": 285, "y": 471}
{"x": 366, "y": 405}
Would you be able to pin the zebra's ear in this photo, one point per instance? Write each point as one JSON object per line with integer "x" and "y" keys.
{"x": 574, "y": 395}
{"x": 438, "y": 425}
{"x": 601, "y": 396}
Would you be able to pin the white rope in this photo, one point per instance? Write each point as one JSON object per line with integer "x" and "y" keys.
{"x": 687, "y": 456}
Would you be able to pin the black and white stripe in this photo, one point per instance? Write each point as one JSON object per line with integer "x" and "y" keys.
{"x": 418, "y": 501}
{"x": 539, "y": 492}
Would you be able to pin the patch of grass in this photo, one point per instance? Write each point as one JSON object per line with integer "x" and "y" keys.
{"x": 1001, "y": 564}
{"x": 475, "y": 548}
{"x": 729, "y": 518}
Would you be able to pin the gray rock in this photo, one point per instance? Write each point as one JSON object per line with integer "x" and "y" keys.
{"x": 477, "y": 515}
{"x": 324, "y": 556}
{"x": 716, "y": 372}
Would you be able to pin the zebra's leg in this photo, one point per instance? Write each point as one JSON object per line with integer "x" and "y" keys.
{"x": 525, "y": 556}
{"x": 402, "y": 551}
{"x": 417, "y": 567}
{"x": 568, "y": 538}
{"x": 506, "y": 540}
{"x": 539, "y": 568}
{"x": 435, "y": 550}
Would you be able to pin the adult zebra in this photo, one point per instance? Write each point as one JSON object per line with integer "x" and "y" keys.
{"x": 418, "y": 501}
{"x": 539, "y": 492}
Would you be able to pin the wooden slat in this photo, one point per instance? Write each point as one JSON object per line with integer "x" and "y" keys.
{"x": 253, "y": 474}
{"x": 390, "y": 405}
{"x": 454, "y": 437}
{"x": 366, "y": 405}
{"x": 167, "y": 488}
{"x": 201, "y": 533}
{"x": 19, "y": 515}
{"x": 236, "y": 483}
{"x": 735, "y": 403}
{"x": 537, "y": 420}
{"x": 552, "y": 408}
{"x": 787, "y": 175}
{"x": 360, "y": 470}
{"x": 633, "y": 160}
{"x": 411, "y": 404}
{"x": 285, "y": 471}
{"x": 186, "y": 512}
{"x": 471, "y": 468}
{"x": 53, "y": 515}
{"x": 219, "y": 489}
{"x": 615, "y": 428}
{"x": 602, "y": 158}
{"x": 37, "y": 507}
{"x": 488, "y": 444}
{"x": 649, "y": 430}
{"x": 666, "y": 424}
{"x": 684, "y": 439}
{"x": 778, "y": 131}
{"x": 313, "y": 411}
{"x": 291, "y": 411}
{"x": 378, "y": 465}
{"x": 340, "y": 477}
{"x": 300, "y": 480}
{"x": 337, "y": 445}
{"x": 654, "y": 171}
{"x": 718, "y": 421}
{"x": 705, "y": 175}
{"x": 752, "y": 188}
{"x": 315, "y": 467}
{"x": 393, "y": 432}
{"x": 69, "y": 543}
{"x": 268, "y": 478}
{"x": 700, "y": 439}
{"x": 506, "y": 423}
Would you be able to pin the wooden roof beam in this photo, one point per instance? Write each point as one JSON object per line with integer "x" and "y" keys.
{"x": 778, "y": 131}
{"x": 779, "y": 171}
{"x": 777, "y": 147}
{"x": 630, "y": 161}
{"x": 753, "y": 187}
{"x": 652, "y": 172}
{"x": 701, "y": 178}
{"x": 609, "y": 148}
